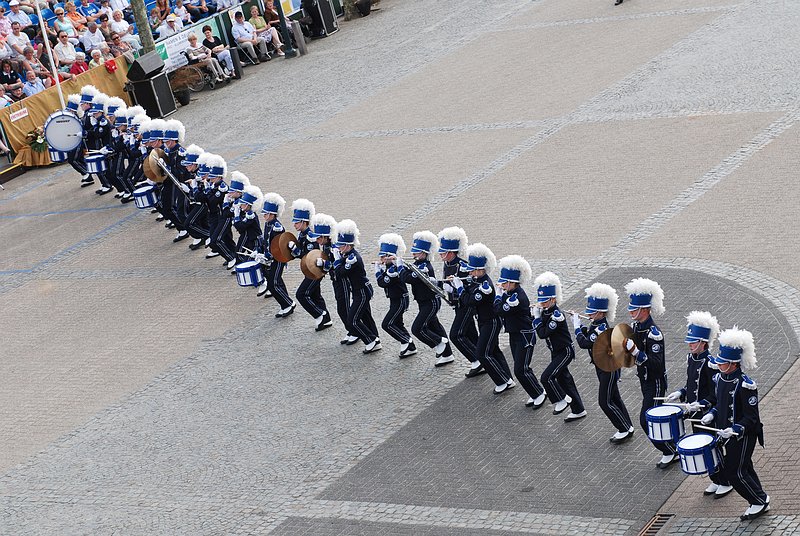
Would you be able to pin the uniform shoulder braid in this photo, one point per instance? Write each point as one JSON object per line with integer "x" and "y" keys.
{"x": 655, "y": 334}
{"x": 748, "y": 383}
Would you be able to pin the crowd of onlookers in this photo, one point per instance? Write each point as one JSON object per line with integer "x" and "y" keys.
{"x": 81, "y": 37}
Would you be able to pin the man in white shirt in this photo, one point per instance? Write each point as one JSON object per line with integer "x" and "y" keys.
{"x": 245, "y": 36}
{"x": 65, "y": 52}
{"x": 92, "y": 37}
{"x": 17, "y": 41}
{"x": 24, "y": 20}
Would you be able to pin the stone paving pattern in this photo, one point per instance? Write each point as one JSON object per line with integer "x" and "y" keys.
{"x": 125, "y": 410}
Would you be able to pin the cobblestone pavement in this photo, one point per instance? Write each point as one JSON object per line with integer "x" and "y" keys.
{"x": 143, "y": 392}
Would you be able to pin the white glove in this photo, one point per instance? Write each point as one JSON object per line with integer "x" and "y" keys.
{"x": 432, "y": 280}
{"x": 105, "y": 150}
{"x": 691, "y": 407}
{"x": 185, "y": 188}
{"x": 726, "y": 433}
{"x": 336, "y": 254}
{"x": 377, "y": 267}
{"x": 398, "y": 261}
{"x": 424, "y": 268}
{"x": 537, "y": 312}
{"x": 457, "y": 283}
{"x": 707, "y": 418}
{"x": 227, "y": 198}
{"x": 260, "y": 258}
{"x": 291, "y": 245}
{"x": 237, "y": 210}
{"x": 193, "y": 183}
{"x": 576, "y": 321}
{"x": 672, "y": 397}
{"x": 631, "y": 347}
{"x": 320, "y": 263}
{"x": 448, "y": 288}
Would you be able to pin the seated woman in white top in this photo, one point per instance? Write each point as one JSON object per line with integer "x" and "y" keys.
{"x": 202, "y": 54}
{"x": 125, "y": 30}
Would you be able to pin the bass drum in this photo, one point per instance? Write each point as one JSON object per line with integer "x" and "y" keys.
{"x": 63, "y": 131}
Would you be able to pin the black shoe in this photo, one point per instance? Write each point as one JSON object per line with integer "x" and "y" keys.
{"x": 170, "y": 225}
{"x": 618, "y": 2}
{"x": 410, "y": 350}
{"x": 447, "y": 352}
{"x": 621, "y": 440}
{"x": 154, "y": 211}
{"x": 287, "y": 313}
{"x": 473, "y": 372}
{"x": 160, "y": 218}
{"x": 325, "y": 324}
{"x": 195, "y": 247}
{"x": 180, "y": 237}
{"x": 126, "y": 200}
{"x": 664, "y": 465}
{"x": 85, "y": 184}
{"x": 103, "y": 191}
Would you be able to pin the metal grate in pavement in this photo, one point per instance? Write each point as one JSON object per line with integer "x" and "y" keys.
{"x": 656, "y": 523}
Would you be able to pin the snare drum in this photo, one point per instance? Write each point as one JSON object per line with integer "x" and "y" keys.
{"x": 63, "y": 131}
{"x": 57, "y": 156}
{"x": 699, "y": 454}
{"x": 96, "y": 163}
{"x": 249, "y": 274}
{"x": 145, "y": 197}
{"x": 664, "y": 423}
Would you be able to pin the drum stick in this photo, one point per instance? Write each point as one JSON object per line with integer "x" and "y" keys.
{"x": 711, "y": 429}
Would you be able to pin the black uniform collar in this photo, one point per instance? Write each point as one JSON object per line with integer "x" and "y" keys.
{"x": 643, "y": 326}
{"x": 702, "y": 356}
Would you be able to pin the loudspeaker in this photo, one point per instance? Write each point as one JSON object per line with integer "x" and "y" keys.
{"x": 155, "y": 96}
{"x": 145, "y": 66}
{"x": 328, "y": 16}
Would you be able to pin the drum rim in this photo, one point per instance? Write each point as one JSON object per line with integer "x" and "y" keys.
{"x": 694, "y": 437}
{"x": 673, "y": 410}
{"x": 71, "y": 117}
{"x": 249, "y": 264}
{"x": 144, "y": 189}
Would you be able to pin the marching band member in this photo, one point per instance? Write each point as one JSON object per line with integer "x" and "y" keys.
{"x": 197, "y": 217}
{"x": 426, "y": 326}
{"x": 349, "y": 270}
{"x": 452, "y": 249}
{"x": 245, "y": 220}
{"x": 273, "y": 208}
{"x": 87, "y": 94}
{"x": 308, "y": 293}
{"x": 75, "y": 156}
{"x": 392, "y": 247}
{"x": 97, "y": 131}
{"x": 322, "y": 230}
{"x": 699, "y": 392}
{"x": 479, "y": 294}
{"x": 647, "y": 347}
{"x": 551, "y": 326}
{"x": 173, "y": 135}
{"x": 152, "y": 134}
{"x": 735, "y": 414}
{"x": 219, "y": 197}
{"x": 116, "y": 113}
{"x": 137, "y": 125}
{"x": 514, "y": 308}
{"x": 601, "y": 306}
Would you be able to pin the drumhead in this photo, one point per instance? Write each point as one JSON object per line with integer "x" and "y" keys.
{"x": 144, "y": 189}
{"x": 695, "y": 441}
{"x": 63, "y": 131}
{"x": 663, "y": 411}
{"x": 246, "y": 266}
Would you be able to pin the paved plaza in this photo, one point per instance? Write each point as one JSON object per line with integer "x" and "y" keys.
{"x": 143, "y": 392}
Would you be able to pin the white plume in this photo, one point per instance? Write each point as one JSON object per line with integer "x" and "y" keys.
{"x": 648, "y": 286}
{"x": 348, "y": 227}
{"x": 272, "y": 197}
{"x": 601, "y": 290}
{"x": 482, "y": 250}
{"x": 240, "y": 177}
{"x": 304, "y": 204}
{"x": 455, "y": 233}
{"x": 706, "y": 320}
{"x": 396, "y": 239}
{"x": 174, "y": 124}
{"x": 546, "y": 279}
{"x": 323, "y": 219}
{"x": 428, "y": 236}
{"x": 740, "y": 338}
{"x": 516, "y": 262}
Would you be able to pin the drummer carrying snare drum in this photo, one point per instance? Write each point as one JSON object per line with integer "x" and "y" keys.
{"x": 699, "y": 394}
{"x": 736, "y": 417}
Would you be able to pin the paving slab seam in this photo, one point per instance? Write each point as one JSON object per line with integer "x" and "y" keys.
{"x": 522, "y": 522}
{"x": 617, "y": 18}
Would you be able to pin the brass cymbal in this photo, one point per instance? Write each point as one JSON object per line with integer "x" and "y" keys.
{"x": 602, "y": 354}
{"x": 151, "y": 169}
{"x": 618, "y": 336}
{"x": 279, "y": 247}
{"x": 308, "y": 264}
